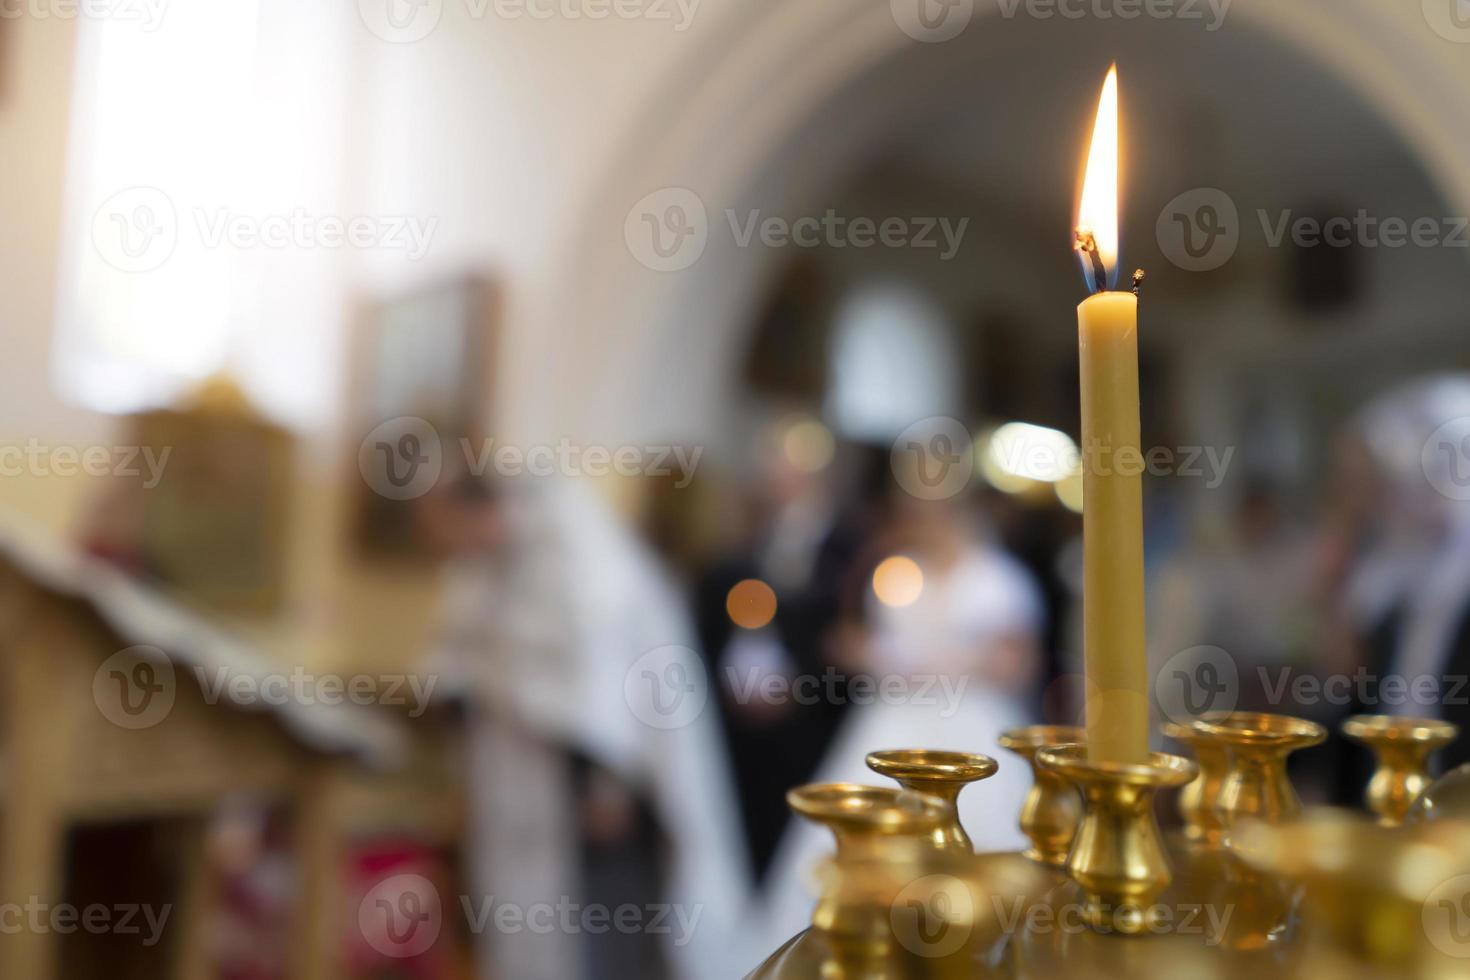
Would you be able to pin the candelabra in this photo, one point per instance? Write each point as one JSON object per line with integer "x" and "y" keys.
{"x": 1246, "y": 883}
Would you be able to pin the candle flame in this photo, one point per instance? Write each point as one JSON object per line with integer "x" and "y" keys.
{"x": 1097, "y": 213}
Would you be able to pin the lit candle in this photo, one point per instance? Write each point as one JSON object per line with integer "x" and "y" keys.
{"x": 1112, "y": 460}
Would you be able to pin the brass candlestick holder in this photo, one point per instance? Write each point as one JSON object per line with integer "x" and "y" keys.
{"x": 1118, "y": 856}
{"x": 1402, "y": 747}
{"x": 1260, "y": 926}
{"x": 851, "y": 933}
{"x": 999, "y": 880}
{"x": 893, "y": 906}
{"x": 860, "y": 817}
{"x": 1380, "y": 902}
{"x": 942, "y": 775}
{"x": 1199, "y": 802}
{"x": 1256, "y": 784}
{"x": 1052, "y": 808}
{"x": 1258, "y": 889}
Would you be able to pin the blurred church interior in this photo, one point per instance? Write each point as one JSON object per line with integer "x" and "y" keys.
{"x": 235, "y": 393}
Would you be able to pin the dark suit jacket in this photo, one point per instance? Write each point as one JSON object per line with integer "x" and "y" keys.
{"x": 1352, "y": 765}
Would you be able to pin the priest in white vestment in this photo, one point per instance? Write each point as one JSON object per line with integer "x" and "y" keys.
{"x": 567, "y": 638}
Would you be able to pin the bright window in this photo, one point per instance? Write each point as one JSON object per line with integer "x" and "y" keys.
{"x": 218, "y": 115}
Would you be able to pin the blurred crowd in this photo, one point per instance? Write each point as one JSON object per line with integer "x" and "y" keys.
{"x": 647, "y": 691}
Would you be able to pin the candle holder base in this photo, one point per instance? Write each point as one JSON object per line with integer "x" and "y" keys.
{"x": 1256, "y": 785}
{"x": 1118, "y": 855}
{"x": 1402, "y": 747}
{"x": 1052, "y": 807}
{"x": 941, "y": 775}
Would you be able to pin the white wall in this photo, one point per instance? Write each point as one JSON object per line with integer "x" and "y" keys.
{"x": 532, "y": 140}
{"x": 529, "y": 140}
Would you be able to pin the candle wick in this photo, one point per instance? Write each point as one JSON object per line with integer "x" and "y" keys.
{"x": 1087, "y": 244}
{"x": 1138, "y": 277}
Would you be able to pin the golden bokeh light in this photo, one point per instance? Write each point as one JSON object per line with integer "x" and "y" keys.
{"x": 751, "y": 604}
{"x": 1069, "y": 492}
{"x": 807, "y": 444}
{"x": 898, "y": 581}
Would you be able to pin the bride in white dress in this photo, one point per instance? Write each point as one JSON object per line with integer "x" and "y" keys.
{"x": 951, "y": 632}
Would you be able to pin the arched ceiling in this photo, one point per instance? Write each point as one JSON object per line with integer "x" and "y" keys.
{"x": 807, "y": 96}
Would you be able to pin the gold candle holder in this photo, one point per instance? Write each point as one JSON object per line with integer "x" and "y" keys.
{"x": 1401, "y": 747}
{"x": 1199, "y": 802}
{"x": 860, "y": 817}
{"x": 1256, "y": 784}
{"x": 1052, "y": 808}
{"x": 1379, "y": 901}
{"x": 1117, "y": 857}
{"x": 942, "y": 775}
{"x": 883, "y": 844}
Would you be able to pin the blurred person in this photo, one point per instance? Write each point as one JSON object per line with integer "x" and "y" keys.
{"x": 946, "y": 637}
{"x": 1344, "y": 529}
{"x": 1039, "y": 537}
{"x": 1406, "y": 598}
{"x": 1249, "y": 590}
{"x": 581, "y": 781}
{"x": 795, "y": 539}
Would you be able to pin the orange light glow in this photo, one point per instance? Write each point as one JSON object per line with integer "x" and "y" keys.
{"x": 898, "y": 581}
{"x": 751, "y": 604}
{"x": 1097, "y": 212}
